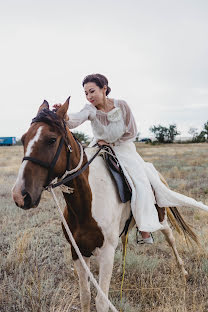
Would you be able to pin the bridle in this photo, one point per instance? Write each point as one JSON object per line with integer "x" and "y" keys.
{"x": 42, "y": 117}
{"x": 50, "y": 166}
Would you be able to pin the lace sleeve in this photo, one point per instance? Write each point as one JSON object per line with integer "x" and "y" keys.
{"x": 131, "y": 128}
{"x": 76, "y": 119}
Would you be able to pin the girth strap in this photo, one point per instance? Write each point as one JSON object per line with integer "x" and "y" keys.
{"x": 126, "y": 226}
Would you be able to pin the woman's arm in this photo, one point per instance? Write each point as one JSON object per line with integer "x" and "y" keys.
{"x": 76, "y": 119}
{"x": 130, "y": 123}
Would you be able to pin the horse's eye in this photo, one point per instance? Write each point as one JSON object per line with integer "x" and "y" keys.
{"x": 51, "y": 141}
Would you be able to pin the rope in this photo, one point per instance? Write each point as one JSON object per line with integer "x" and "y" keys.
{"x": 124, "y": 265}
{"x": 102, "y": 152}
{"x": 93, "y": 280}
{"x": 79, "y": 164}
{"x": 74, "y": 175}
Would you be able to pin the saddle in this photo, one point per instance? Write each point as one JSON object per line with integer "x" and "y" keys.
{"x": 122, "y": 184}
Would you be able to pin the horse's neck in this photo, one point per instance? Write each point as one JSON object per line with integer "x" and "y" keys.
{"x": 78, "y": 202}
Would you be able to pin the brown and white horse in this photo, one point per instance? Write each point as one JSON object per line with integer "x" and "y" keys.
{"x": 94, "y": 212}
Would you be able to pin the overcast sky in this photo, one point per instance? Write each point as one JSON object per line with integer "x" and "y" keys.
{"x": 154, "y": 53}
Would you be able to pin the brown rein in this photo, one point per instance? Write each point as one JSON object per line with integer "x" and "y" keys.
{"x": 76, "y": 174}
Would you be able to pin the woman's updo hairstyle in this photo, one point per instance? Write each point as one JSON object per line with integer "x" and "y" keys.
{"x": 99, "y": 80}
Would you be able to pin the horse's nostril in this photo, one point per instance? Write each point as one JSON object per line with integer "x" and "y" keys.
{"x": 24, "y": 192}
{"x": 27, "y": 199}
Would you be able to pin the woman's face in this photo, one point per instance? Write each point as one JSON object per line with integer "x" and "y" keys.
{"x": 94, "y": 94}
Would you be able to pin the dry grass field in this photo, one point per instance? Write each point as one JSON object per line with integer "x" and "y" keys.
{"x": 36, "y": 273}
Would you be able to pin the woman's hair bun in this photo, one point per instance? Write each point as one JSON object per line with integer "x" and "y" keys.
{"x": 108, "y": 90}
{"x": 99, "y": 80}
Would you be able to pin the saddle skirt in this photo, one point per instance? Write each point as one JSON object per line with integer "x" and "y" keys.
{"x": 123, "y": 187}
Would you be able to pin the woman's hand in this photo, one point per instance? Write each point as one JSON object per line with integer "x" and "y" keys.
{"x": 102, "y": 142}
{"x": 56, "y": 107}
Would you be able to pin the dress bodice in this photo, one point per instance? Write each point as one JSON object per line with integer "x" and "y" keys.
{"x": 109, "y": 126}
{"x": 115, "y": 126}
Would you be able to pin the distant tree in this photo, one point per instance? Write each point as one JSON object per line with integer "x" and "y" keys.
{"x": 205, "y": 130}
{"x": 137, "y": 137}
{"x": 160, "y": 133}
{"x": 172, "y": 132}
{"x": 201, "y": 137}
{"x": 164, "y": 134}
{"x": 82, "y": 137}
{"x": 194, "y": 133}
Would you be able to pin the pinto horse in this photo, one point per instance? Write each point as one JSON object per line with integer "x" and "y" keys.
{"x": 93, "y": 212}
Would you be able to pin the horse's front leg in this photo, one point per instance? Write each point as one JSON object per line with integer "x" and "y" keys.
{"x": 105, "y": 260}
{"x": 84, "y": 284}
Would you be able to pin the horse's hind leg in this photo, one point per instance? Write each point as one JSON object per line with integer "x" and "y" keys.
{"x": 84, "y": 284}
{"x": 171, "y": 241}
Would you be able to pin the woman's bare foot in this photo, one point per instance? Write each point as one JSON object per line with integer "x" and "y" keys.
{"x": 145, "y": 234}
{"x": 146, "y": 238}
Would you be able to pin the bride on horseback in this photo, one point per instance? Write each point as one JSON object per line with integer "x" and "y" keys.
{"x": 113, "y": 124}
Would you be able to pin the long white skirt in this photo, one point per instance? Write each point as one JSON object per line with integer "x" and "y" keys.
{"x": 142, "y": 177}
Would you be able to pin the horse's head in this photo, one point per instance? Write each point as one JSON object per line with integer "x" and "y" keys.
{"x": 45, "y": 155}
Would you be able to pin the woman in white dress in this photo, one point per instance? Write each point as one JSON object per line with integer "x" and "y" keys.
{"x": 113, "y": 124}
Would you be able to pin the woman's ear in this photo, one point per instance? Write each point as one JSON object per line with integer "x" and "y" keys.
{"x": 105, "y": 89}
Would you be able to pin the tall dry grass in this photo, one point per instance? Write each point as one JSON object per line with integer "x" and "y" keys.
{"x": 36, "y": 267}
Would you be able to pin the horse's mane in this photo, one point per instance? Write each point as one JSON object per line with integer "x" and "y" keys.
{"x": 52, "y": 119}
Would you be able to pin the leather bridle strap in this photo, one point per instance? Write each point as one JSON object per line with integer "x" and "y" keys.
{"x": 47, "y": 165}
{"x": 76, "y": 174}
{"x": 37, "y": 161}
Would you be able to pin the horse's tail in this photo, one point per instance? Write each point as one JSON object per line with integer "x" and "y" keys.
{"x": 180, "y": 225}
{"x": 177, "y": 221}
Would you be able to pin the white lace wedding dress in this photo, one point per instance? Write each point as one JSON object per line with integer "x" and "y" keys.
{"x": 118, "y": 128}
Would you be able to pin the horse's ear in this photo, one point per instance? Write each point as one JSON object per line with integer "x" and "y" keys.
{"x": 44, "y": 105}
{"x": 61, "y": 112}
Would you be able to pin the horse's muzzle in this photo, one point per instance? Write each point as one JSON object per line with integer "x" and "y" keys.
{"x": 24, "y": 200}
